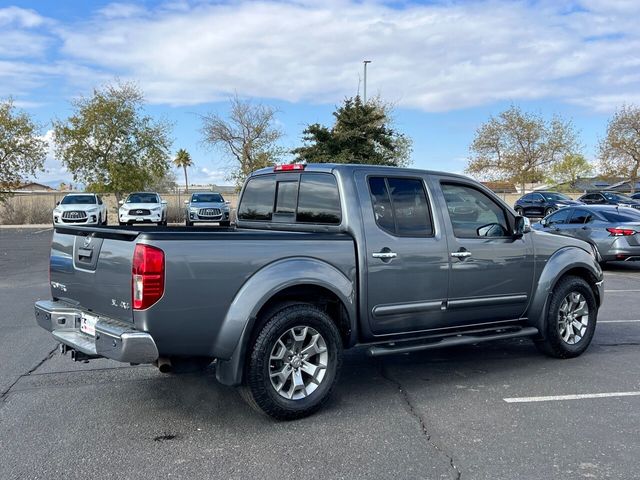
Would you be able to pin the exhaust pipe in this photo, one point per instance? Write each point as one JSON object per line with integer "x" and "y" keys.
{"x": 163, "y": 364}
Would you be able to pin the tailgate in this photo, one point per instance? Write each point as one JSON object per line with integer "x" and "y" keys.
{"x": 91, "y": 268}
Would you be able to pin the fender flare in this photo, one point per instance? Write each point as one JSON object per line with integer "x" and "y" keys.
{"x": 562, "y": 261}
{"x": 231, "y": 342}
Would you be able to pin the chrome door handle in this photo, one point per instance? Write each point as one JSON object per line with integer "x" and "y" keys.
{"x": 460, "y": 254}
{"x": 384, "y": 255}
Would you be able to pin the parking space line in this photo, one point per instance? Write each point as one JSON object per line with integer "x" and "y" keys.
{"x": 42, "y": 231}
{"x": 618, "y": 321}
{"x": 580, "y": 396}
{"x": 621, "y": 291}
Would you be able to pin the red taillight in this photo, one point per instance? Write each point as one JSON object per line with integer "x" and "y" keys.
{"x": 147, "y": 276}
{"x": 620, "y": 232}
{"x": 289, "y": 167}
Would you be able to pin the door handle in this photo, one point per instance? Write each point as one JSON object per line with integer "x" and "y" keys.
{"x": 463, "y": 254}
{"x": 384, "y": 255}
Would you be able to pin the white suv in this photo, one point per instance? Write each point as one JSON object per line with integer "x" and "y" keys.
{"x": 80, "y": 209}
{"x": 142, "y": 207}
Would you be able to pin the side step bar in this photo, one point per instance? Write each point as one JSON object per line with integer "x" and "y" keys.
{"x": 460, "y": 339}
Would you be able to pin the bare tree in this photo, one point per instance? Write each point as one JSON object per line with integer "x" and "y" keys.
{"x": 619, "y": 151}
{"x": 248, "y": 137}
{"x": 520, "y": 146}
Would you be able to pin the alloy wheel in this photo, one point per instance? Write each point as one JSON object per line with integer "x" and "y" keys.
{"x": 298, "y": 362}
{"x": 573, "y": 318}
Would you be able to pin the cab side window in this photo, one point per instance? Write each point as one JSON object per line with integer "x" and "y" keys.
{"x": 473, "y": 213}
{"x": 580, "y": 217}
{"x": 561, "y": 216}
{"x": 400, "y": 206}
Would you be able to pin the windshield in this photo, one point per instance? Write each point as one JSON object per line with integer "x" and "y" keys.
{"x": 207, "y": 198}
{"x": 143, "y": 198}
{"x": 79, "y": 200}
{"x": 555, "y": 196}
{"x": 616, "y": 197}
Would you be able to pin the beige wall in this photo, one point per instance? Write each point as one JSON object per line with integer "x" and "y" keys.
{"x": 37, "y": 207}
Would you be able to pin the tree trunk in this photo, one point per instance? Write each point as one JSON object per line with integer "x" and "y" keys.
{"x": 634, "y": 177}
{"x": 186, "y": 181}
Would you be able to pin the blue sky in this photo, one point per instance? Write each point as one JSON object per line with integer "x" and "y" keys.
{"x": 446, "y": 65}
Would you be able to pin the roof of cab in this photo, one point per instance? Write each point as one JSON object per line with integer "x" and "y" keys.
{"x": 346, "y": 167}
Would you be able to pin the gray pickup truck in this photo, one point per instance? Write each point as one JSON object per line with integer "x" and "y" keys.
{"x": 324, "y": 258}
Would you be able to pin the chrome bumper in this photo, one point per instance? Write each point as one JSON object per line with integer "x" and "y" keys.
{"x": 114, "y": 340}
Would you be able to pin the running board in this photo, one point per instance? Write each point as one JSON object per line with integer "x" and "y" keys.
{"x": 460, "y": 339}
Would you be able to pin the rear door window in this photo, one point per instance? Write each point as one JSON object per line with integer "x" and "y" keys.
{"x": 400, "y": 206}
{"x": 580, "y": 216}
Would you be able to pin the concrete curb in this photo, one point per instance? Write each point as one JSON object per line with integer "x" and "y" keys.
{"x": 30, "y": 225}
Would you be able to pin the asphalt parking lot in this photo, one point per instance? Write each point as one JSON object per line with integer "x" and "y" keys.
{"x": 491, "y": 411}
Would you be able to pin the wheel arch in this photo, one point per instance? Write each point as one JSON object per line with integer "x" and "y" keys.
{"x": 568, "y": 261}
{"x": 315, "y": 282}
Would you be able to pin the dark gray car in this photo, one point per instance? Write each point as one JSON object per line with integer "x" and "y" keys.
{"x": 614, "y": 231}
{"x": 325, "y": 258}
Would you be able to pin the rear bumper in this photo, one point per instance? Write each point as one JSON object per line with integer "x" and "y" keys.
{"x": 115, "y": 340}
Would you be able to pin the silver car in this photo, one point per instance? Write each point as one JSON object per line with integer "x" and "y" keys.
{"x": 207, "y": 207}
{"x": 614, "y": 231}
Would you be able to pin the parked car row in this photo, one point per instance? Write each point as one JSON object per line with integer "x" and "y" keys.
{"x": 541, "y": 204}
{"x": 140, "y": 207}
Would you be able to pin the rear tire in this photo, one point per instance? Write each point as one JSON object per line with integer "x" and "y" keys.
{"x": 294, "y": 363}
{"x": 548, "y": 211}
{"x": 571, "y": 319}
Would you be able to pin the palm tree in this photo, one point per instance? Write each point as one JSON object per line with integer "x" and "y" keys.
{"x": 183, "y": 159}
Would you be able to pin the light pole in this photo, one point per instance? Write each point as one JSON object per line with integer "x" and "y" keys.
{"x": 365, "y": 79}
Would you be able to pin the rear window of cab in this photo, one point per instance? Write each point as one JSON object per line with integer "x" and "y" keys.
{"x": 304, "y": 198}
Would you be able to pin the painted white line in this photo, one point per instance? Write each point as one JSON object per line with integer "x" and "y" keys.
{"x": 555, "y": 398}
{"x": 618, "y": 321}
{"x": 47, "y": 229}
{"x": 621, "y": 291}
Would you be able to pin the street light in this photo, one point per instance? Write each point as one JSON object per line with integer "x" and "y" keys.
{"x": 365, "y": 79}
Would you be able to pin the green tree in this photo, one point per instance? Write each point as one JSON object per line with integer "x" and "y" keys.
{"x": 183, "y": 160}
{"x": 110, "y": 145}
{"x": 619, "y": 151}
{"x": 520, "y": 147}
{"x": 362, "y": 133}
{"x": 248, "y": 137}
{"x": 22, "y": 150}
{"x": 569, "y": 169}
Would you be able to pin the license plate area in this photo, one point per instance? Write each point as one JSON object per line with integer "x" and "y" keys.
{"x": 88, "y": 324}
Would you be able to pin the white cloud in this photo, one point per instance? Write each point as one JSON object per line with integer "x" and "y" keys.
{"x": 434, "y": 57}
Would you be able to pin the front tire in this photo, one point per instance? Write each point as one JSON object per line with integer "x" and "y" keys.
{"x": 571, "y": 319}
{"x": 294, "y": 363}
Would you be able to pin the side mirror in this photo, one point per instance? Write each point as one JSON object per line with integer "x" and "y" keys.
{"x": 163, "y": 202}
{"x": 121, "y": 202}
{"x": 543, "y": 222}
{"x": 523, "y": 225}
{"x": 57, "y": 203}
{"x": 227, "y": 202}
{"x": 186, "y": 202}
